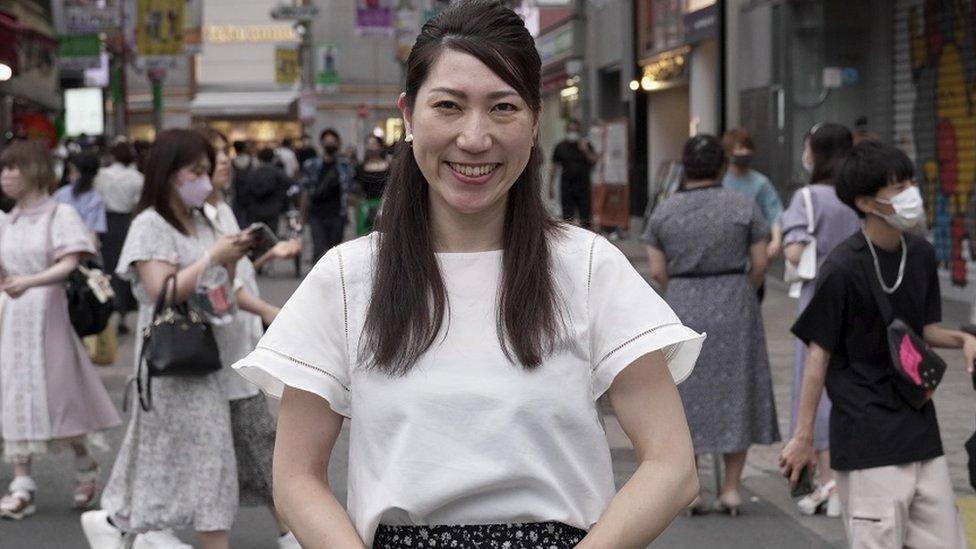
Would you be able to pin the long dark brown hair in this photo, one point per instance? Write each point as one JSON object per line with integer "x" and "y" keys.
{"x": 408, "y": 301}
{"x": 830, "y": 144}
{"x": 172, "y": 151}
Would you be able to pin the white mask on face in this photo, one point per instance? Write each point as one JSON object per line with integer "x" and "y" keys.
{"x": 572, "y": 136}
{"x": 807, "y": 162}
{"x": 909, "y": 210}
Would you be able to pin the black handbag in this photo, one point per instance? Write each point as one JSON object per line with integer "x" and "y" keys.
{"x": 918, "y": 370}
{"x": 91, "y": 300}
{"x": 178, "y": 342}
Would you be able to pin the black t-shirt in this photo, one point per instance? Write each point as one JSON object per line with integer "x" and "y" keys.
{"x": 325, "y": 193}
{"x": 371, "y": 184}
{"x": 576, "y": 168}
{"x": 870, "y": 424}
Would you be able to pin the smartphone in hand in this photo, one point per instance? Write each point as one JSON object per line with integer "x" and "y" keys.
{"x": 804, "y": 485}
{"x": 262, "y": 239}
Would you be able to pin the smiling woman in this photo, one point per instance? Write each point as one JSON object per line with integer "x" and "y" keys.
{"x": 481, "y": 429}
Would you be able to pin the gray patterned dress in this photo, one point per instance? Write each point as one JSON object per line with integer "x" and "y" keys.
{"x": 705, "y": 235}
{"x": 176, "y": 467}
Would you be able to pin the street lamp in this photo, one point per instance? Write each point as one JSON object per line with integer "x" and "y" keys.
{"x": 6, "y": 73}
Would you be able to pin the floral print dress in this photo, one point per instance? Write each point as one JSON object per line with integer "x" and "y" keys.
{"x": 176, "y": 466}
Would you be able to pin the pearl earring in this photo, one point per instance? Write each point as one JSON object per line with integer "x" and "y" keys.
{"x": 408, "y": 138}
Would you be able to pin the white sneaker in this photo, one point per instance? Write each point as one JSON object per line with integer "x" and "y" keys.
{"x": 99, "y": 531}
{"x": 162, "y": 539}
{"x": 288, "y": 541}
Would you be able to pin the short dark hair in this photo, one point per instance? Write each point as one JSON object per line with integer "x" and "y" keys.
{"x": 703, "y": 157}
{"x": 123, "y": 153}
{"x": 239, "y": 146}
{"x": 266, "y": 155}
{"x": 870, "y": 167}
{"x": 286, "y": 142}
{"x": 329, "y": 131}
{"x": 830, "y": 144}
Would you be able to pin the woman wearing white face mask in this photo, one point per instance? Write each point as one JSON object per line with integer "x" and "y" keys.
{"x": 824, "y": 151}
{"x": 892, "y": 476}
{"x": 176, "y": 466}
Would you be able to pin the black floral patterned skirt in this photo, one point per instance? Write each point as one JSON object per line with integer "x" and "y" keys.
{"x": 531, "y": 535}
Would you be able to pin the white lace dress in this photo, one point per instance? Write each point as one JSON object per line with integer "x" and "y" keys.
{"x": 50, "y": 393}
{"x": 176, "y": 467}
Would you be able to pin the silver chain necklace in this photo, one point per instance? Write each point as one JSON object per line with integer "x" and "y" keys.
{"x": 877, "y": 265}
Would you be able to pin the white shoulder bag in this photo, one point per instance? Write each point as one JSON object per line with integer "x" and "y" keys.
{"x": 806, "y": 269}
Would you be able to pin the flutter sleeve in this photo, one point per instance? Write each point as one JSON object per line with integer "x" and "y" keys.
{"x": 628, "y": 320}
{"x": 306, "y": 345}
{"x": 69, "y": 235}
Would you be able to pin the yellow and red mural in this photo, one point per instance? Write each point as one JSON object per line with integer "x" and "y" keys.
{"x": 942, "y": 49}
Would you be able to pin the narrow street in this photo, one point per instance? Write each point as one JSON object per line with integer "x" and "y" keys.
{"x": 768, "y": 518}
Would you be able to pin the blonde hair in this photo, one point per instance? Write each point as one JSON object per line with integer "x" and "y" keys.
{"x": 34, "y": 162}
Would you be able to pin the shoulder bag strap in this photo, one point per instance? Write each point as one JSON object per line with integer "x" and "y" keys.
{"x": 808, "y": 204}
{"x": 49, "y": 246}
{"x": 880, "y": 299}
{"x": 142, "y": 369}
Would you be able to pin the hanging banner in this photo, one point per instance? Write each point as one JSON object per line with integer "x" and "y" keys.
{"x": 193, "y": 26}
{"x": 326, "y": 74}
{"x": 78, "y": 53}
{"x": 308, "y": 107}
{"x": 407, "y": 29}
{"x": 287, "y": 66}
{"x": 84, "y": 16}
{"x": 159, "y": 27}
{"x": 374, "y": 18}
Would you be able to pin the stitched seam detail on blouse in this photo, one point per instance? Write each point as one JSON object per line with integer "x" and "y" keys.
{"x": 305, "y": 364}
{"x": 589, "y": 270}
{"x": 345, "y": 305}
{"x": 635, "y": 338}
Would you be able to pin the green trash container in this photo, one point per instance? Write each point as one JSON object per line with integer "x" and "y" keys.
{"x": 366, "y": 214}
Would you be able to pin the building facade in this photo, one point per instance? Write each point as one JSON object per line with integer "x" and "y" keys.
{"x": 30, "y": 98}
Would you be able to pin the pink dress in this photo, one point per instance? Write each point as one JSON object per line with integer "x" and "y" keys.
{"x": 50, "y": 393}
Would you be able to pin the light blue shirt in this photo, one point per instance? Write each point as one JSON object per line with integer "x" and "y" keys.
{"x": 88, "y": 205}
{"x": 760, "y": 190}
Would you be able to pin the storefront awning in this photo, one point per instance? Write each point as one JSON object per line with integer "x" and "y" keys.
{"x": 251, "y": 103}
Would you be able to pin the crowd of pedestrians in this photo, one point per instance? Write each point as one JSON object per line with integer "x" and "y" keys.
{"x": 204, "y": 444}
{"x": 461, "y": 265}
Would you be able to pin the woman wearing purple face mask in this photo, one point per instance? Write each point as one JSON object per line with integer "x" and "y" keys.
{"x": 176, "y": 466}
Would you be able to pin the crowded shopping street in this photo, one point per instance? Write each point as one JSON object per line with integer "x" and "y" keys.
{"x": 487, "y": 274}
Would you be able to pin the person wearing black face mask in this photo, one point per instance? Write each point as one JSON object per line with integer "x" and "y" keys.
{"x": 326, "y": 182}
{"x": 742, "y": 178}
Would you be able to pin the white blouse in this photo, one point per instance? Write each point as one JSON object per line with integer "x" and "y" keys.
{"x": 120, "y": 187}
{"x": 467, "y": 437}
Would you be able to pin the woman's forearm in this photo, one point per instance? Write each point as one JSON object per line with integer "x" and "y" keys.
{"x": 253, "y": 304}
{"x": 645, "y": 506}
{"x": 58, "y": 272}
{"x": 314, "y": 514}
